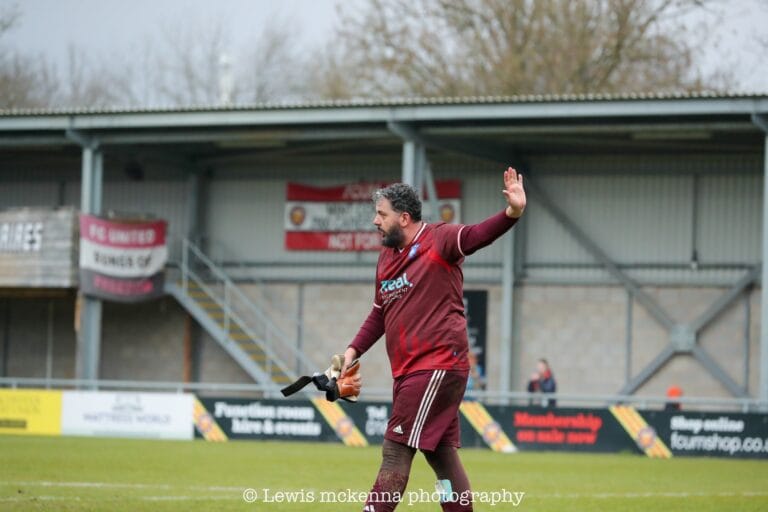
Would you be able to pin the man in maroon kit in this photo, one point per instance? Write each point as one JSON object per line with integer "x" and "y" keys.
{"x": 418, "y": 305}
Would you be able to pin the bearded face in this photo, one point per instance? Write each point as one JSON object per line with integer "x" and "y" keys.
{"x": 394, "y": 237}
{"x": 387, "y": 222}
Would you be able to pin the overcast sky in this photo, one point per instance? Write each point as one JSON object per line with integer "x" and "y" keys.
{"x": 107, "y": 26}
{"x": 109, "y": 29}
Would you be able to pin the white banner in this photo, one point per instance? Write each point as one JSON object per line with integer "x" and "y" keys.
{"x": 122, "y": 262}
{"x": 125, "y": 414}
{"x": 349, "y": 216}
{"x": 340, "y": 218}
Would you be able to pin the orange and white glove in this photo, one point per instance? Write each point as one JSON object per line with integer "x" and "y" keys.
{"x": 335, "y": 386}
{"x": 347, "y": 387}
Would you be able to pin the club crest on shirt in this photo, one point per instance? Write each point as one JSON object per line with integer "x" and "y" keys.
{"x": 414, "y": 251}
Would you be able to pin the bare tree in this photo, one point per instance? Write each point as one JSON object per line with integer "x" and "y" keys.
{"x": 198, "y": 66}
{"x": 136, "y": 82}
{"x": 88, "y": 83}
{"x": 496, "y": 47}
{"x": 31, "y": 81}
{"x": 23, "y": 82}
{"x": 274, "y": 67}
{"x": 190, "y": 63}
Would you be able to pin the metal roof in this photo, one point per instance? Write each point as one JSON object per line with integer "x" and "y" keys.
{"x": 641, "y": 122}
{"x": 378, "y": 113}
{"x": 392, "y": 102}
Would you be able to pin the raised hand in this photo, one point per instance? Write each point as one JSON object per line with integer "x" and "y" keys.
{"x": 514, "y": 193}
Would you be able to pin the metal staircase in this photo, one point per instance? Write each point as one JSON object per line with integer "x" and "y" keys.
{"x": 243, "y": 329}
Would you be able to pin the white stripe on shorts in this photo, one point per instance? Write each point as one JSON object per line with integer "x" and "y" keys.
{"x": 426, "y": 403}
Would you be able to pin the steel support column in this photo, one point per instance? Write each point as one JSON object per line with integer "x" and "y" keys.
{"x": 89, "y": 335}
{"x": 507, "y": 309}
{"x": 628, "y": 339}
{"x": 409, "y": 163}
{"x": 417, "y": 172}
{"x": 192, "y": 211}
{"x": 430, "y": 194}
{"x": 762, "y": 122}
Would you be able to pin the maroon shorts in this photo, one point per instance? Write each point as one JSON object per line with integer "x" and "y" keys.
{"x": 425, "y": 409}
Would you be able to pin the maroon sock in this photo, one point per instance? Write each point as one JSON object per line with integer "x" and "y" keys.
{"x": 387, "y": 492}
{"x": 447, "y": 466}
{"x": 464, "y": 504}
{"x": 390, "y": 483}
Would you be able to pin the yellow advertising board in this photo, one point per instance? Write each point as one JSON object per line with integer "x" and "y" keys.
{"x": 30, "y": 411}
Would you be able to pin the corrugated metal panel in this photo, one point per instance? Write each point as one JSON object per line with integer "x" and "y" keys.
{"x": 246, "y": 218}
{"x": 644, "y": 223}
{"x": 633, "y": 219}
{"x": 729, "y": 229}
{"x": 164, "y": 199}
{"x": 648, "y": 164}
{"x": 15, "y": 194}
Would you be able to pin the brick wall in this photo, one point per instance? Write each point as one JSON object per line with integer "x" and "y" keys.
{"x": 580, "y": 329}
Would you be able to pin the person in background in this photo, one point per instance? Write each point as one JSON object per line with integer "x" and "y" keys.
{"x": 543, "y": 381}
{"x": 673, "y": 393}
{"x": 476, "y": 380}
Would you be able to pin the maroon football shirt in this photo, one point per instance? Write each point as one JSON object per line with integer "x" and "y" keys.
{"x": 418, "y": 302}
{"x": 419, "y": 290}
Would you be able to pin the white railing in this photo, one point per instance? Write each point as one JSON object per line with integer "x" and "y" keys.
{"x": 238, "y": 309}
{"x": 385, "y": 394}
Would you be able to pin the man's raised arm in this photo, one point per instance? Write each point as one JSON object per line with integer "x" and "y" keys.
{"x": 477, "y": 236}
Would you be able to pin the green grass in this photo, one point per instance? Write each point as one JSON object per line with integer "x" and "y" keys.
{"x": 81, "y": 474}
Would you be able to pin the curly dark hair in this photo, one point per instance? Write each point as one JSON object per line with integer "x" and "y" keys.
{"x": 403, "y": 199}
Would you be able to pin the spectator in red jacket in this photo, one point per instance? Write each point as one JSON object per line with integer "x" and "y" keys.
{"x": 543, "y": 381}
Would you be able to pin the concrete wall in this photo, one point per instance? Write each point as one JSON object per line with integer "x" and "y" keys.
{"x": 25, "y": 322}
{"x": 581, "y": 330}
{"x": 139, "y": 342}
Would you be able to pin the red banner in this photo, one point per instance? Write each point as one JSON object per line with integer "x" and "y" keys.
{"x": 122, "y": 260}
{"x": 340, "y": 218}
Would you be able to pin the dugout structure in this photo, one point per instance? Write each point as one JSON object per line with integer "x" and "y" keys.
{"x": 637, "y": 264}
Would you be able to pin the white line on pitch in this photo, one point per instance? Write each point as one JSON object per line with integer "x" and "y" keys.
{"x": 118, "y": 485}
{"x": 669, "y": 494}
{"x": 19, "y": 499}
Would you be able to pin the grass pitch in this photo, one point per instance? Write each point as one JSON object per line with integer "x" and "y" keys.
{"x": 83, "y": 474}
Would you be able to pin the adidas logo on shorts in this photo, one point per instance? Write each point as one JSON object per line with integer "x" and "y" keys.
{"x": 398, "y": 429}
